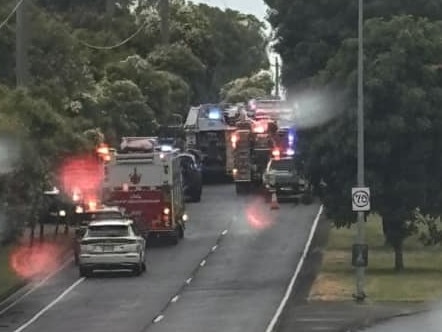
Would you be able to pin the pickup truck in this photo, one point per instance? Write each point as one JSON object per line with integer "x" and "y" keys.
{"x": 285, "y": 179}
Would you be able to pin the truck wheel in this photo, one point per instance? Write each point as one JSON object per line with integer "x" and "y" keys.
{"x": 180, "y": 232}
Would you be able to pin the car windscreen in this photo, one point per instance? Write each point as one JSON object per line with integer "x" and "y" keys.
{"x": 108, "y": 231}
{"x": 282, "y": 165}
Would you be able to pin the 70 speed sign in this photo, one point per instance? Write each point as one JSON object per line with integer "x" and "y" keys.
{"x": 360, "y": 197}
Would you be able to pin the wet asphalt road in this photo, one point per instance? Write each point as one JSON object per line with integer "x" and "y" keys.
{"x": 228, "y": 274}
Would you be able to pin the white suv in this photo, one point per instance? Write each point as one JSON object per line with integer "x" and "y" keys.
{"x": 112, "y": 244}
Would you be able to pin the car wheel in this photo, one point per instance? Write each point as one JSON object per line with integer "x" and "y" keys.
{"x": 84, "y": 272}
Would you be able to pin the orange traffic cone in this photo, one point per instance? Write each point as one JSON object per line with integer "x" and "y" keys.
{"x": 274, "y": 205}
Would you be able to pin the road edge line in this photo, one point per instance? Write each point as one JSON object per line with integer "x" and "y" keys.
{"x": 32, "y": 285}
{"x": 49, "y": 306}
{"x": 289, "y": 290}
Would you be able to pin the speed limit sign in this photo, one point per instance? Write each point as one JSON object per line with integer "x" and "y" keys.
{"x": 360, "y": 197}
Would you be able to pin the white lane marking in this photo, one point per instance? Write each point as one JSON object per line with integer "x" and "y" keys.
{"x": 50, "y": 305}
{"x": 158, "y": 319}
{"x": 275, "y": 318}
{"x": 203, "y": 263}
{"x": 188, "y": 281}
{"x": 175, "y": 299}
{"x": 224, "y": 232}
{"x": 214, "y": 247}
{"x": 34, "y": 288}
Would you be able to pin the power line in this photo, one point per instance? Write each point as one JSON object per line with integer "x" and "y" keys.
{"x": 98, "y": 47}
{"x": 6, "y": 20}
{"x": 116, "y": 45}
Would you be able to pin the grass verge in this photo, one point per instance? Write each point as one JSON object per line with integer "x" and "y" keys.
{"x": 8, "y": 279}
{"x": 421, "y": 280}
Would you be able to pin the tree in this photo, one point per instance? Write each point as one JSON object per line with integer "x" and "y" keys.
{"x": 246, "y": 88}
{"x": 309, "y": 33}
{"x": 403, "y": 149}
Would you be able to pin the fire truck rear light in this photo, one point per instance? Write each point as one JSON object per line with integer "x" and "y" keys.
{"x": 125, "y": 187}
{"x": 234, "y": 139}
{"x": 290, "y": 152}
{"x": 276, "y": 153}
{"x": 78, "y": 209}
{"x": 166, "y": 211}
{"x": 234, "y": 171}
{"x": 75, "y": 197}
{"x": 185, "y": 217}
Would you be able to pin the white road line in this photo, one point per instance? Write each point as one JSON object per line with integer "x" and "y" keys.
{"x": 158, "y": 319}
{"x": 224, "y": 232}
{"x": 214, "y": 247}
{"x": 50, "y": 305}
{"x": 34, "y": 288}
{"x": 203, "y": 263}
{"x": 279, "y": 310}
{"x": 175, "y": 299}
{"x": 188, "y": 281}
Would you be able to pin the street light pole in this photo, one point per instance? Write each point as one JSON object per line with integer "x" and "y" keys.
{"x": 360, "y": 237}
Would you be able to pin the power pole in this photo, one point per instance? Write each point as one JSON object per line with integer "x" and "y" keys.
{"x": 165, "y": 21}
{"x": 276, "y": 77}
{"x": 21, "y": 45}
{"x": 360, "y": 235}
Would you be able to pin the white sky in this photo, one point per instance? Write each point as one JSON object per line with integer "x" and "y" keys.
{"x": 254, "y": 7}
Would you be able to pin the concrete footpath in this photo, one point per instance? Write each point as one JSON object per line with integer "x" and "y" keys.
{"x": 348, "y": 316}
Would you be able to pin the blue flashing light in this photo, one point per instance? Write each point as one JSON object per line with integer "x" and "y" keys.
{"x": 165, "y": 148}
{"x": 290, "y": 152}
{"x": 215, "y": 114}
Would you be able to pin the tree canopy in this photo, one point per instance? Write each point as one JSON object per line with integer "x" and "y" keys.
{"x": 98, "y": 69}
{"x": 318, "y": 45}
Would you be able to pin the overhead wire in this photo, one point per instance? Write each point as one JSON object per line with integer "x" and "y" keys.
{"x": 6, "y": 20}
{"x": 110, "y": 47}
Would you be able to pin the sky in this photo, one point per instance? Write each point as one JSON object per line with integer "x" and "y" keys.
{"x": 254, "y": 7}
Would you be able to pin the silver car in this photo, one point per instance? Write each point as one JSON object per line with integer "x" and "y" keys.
{"x": 114, "y": 245}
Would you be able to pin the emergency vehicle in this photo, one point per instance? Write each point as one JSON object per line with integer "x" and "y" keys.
{"x": 207, "y": 129}
{"x": 254, "y": 143}
{"x": 147, "y": 184}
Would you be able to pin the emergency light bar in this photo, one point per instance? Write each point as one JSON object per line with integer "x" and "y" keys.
{"x": 166, "y": 148}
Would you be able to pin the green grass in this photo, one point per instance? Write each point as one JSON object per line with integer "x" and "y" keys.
{"x": 421, "y": 280}
{"x": 8, "y": 278}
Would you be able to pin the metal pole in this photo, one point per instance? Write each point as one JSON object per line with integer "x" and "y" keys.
{"x": 360, "y": 238}
{"x": 276, "y": 77}
{"x": 21, "y": 64}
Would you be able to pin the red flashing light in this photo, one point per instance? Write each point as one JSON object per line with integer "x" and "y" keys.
{"x": 276, "y": 153}
{"x": 92, "y": 205}
{"x": 234, "y": 138}
{"x": 259, "y": 129}
{"x": 103, "y": 149}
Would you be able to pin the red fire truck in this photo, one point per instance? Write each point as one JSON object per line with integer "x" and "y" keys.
{"x": 147, "y": 184}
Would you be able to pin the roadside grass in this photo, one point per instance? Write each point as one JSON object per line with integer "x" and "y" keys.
{"x": 421, "y": 280}
{"x": 8, "y": 278}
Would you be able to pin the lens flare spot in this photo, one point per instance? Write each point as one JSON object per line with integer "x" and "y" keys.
{"x": 257, "y": 218}
{"x": 81, "y": 176}
{"x": 29, "y": 262}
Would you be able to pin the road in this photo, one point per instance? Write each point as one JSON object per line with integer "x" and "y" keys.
{"x": 429, "y": 322}
{"x": 228, "y": 274}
